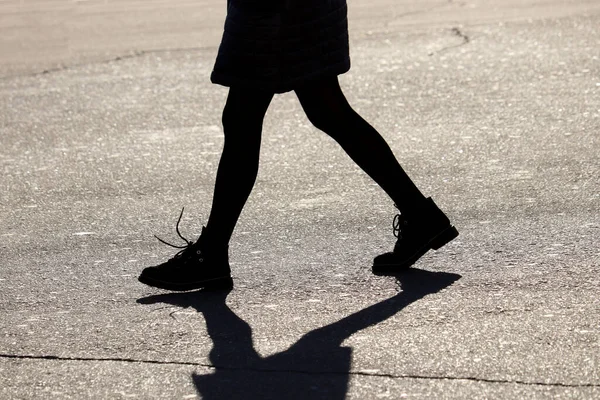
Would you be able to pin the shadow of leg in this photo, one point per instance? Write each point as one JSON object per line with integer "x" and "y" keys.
{"x": 315, "y": 367}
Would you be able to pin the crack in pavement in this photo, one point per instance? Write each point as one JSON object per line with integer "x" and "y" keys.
{"x": 432, "y": 8}
{"x": 466, "y": 39}
{"x": 457, "y": 32}
{"x": 133, "y": 54}
{"x": 139, "y": 53}
{"x": 351, "y": 373}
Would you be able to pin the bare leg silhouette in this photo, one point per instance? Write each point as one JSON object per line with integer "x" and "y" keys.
{"x": 242, "y": 123}
{"x": 328, "y": 110}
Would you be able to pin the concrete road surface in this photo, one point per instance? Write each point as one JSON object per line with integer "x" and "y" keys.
{"x": 109, "y": 125}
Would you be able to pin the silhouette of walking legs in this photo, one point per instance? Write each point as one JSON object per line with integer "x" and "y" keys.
{"x": 420, "y": 227}
{"x": 242, "y": 123}
{"x": 205, "y": 263}
{"x": 328, "y": 110}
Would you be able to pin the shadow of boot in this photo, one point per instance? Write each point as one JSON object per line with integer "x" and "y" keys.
{"x": 231, "y": 336}
{"x": 316, "y": 367}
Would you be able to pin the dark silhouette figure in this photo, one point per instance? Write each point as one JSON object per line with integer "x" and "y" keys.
{"x": 327, "y": 108}
{"x": 278, "y": 46}
{"x": 316, "y": 367}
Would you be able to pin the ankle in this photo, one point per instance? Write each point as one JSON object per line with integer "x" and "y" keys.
{"x": 413, "y": 207}
{"x": 213, "y": 240}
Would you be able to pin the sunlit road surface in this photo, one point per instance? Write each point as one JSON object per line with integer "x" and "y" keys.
{"x": 109, "y": 125}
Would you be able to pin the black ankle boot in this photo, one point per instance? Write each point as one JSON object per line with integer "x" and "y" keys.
{"x": 426, "y": 229}
{"x": 199, "y": 265}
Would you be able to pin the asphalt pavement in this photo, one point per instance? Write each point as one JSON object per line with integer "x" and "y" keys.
{"x": 109, "y": 125}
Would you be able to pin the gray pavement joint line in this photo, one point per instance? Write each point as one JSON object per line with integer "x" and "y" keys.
{"x": 139, "y": 53}
{"x": 133, "y": 54}
{"x": 352, "y": 373}
{"x": 436, "y": 7}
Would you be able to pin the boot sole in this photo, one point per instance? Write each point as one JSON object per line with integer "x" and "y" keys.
{"x": 224, "y": 283}
{"x": 437, "y": 242}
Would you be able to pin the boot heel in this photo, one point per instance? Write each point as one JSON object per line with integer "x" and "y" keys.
{"x": 443, "y": 238}
{"x": 219, "y": 284}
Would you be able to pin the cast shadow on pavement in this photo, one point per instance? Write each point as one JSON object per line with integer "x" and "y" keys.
{"x": 316, "y": 367}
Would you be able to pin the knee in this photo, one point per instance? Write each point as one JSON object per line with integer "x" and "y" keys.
{"x": 231, "y": 120}
{"x": 241, "y": 128}
{"x": 326, "y": 106}
{"x": 333, "y": 120}
{"x": 244, "y": 111}
{"x": 320, "y": 119}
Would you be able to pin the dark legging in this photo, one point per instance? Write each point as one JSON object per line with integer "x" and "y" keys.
{"x": 328, "y": 110}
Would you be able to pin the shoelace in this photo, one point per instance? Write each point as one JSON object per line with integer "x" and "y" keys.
{"x": 397, "y": 225}
{"x": 188, "y": 243}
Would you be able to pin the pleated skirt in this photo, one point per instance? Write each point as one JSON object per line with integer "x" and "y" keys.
{"x": 279, "y": 45}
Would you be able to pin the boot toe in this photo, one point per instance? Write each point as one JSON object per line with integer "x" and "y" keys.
{"x": 385, "y": 263}
{"x": 383, "y": 259}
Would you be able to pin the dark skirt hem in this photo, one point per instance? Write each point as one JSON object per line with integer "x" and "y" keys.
{"x": 228, "y": 80}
